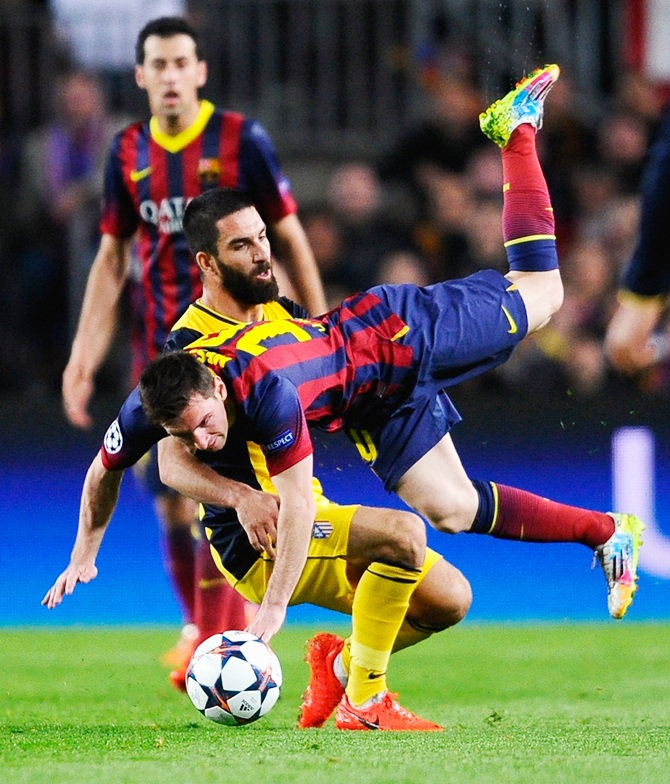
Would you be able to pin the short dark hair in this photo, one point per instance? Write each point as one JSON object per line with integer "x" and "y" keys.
{"x": 165, "y": 27}
{"x": 169, "y": 382}
{"x": 205, "y": 210}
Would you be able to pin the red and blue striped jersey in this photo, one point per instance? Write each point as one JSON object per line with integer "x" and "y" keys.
{"x": 151, "y": 177}
{"x": 344, "y": 368}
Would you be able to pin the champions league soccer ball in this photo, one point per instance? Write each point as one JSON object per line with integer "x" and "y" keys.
{"x": 233, "y": 678}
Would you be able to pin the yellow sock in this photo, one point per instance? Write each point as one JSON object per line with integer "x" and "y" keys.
{"x": 346, "y": 655}
{"x": 380, "y": 604}
{"x": 409, "y": 635}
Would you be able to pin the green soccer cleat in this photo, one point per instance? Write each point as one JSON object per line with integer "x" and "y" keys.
{"x": 618, "y": 558}
{"x": 524, "y": 104}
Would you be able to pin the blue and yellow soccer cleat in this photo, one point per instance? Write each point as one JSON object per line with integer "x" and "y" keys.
{"x": 524, "y": 104}
{"x": 618, "y": 558}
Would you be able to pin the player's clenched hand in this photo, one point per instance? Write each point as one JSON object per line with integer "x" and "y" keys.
{"x": 77, "y": 391}
{"x": 257, "y": 513}
{"x": 66, "y": 582}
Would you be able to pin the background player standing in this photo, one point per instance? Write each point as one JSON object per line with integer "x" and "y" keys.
{"x": 631, "y": 343}
{"x": 154, "y": 168}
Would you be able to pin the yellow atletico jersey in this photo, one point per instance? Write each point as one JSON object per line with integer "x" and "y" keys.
{"x": 240, "y": 460}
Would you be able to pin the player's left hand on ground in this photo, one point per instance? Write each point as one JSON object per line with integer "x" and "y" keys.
{"x": 67, "y": 581}
{"x": 267, "y": 622}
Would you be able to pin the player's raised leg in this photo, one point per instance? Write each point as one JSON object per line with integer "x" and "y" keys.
{"x": 528, "y": 217}
{"x": 618, "y": 557}
{"x": 438, "y": 487}
{"x": 474, "y": 323}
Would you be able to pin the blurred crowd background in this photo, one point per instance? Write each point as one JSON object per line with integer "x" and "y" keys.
{"x": 373, "y": 106}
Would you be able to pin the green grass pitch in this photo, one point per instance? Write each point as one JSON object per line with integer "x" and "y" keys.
{"x": 528, "y": 704}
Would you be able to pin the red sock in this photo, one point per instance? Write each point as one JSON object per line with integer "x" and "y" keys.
{"x": 218, "y": 606}
{"x": 179, "y": 561}
{"x": 527, "y": 517}
{"x": 527, "y": 207}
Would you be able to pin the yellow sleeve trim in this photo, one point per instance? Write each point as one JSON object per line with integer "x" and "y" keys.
{"x": 495, "y": 504}
{"x": 530, "y": 238}
{"x": 639, "y": 300}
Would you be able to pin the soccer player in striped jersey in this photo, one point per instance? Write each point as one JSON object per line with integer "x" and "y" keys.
{"x": 378, "y": 367}
{"x": 153, "y": 169}
{"x": 240, "y": 516}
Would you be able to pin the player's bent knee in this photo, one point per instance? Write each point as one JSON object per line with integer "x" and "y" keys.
{"x": 461, "y": 599}
{"x": 457, "y": 520}
{"x": 453, "y": 524}
{"x": 407, "y": 540}
{"x": 443, "y": 599}
{"x": 456, "y": 601}
{"x": 455, "y": 511}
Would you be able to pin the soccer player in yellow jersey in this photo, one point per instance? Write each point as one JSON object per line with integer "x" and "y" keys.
{"x": 368, "y": 562}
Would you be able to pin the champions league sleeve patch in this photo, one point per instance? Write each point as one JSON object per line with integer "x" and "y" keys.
{"x": 113, "y": 440}
{"x": 280, "y": 442}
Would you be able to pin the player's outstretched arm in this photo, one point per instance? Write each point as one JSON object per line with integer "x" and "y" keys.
{"x": 294, "y": 527}
{"x": 97, "y": 324}
{"x": 256, "y": 511}
{"x": 98, "y": 501}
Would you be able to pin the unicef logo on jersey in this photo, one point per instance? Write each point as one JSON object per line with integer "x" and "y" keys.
{"x": 168, "y": 215}
{"x": 113, "y": 438}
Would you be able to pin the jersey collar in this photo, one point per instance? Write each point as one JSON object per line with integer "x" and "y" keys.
{"x": 198, "y": 305}
{"x": 183, "y": 138}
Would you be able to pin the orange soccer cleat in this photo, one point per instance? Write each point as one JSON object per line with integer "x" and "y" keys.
{"x": 178, "y": 679}
{"x": 180, "y": 654}
{"x": 324, "y": 690}
{"x": 382, "y": 714}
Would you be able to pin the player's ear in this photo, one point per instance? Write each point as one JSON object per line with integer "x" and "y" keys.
{"x": 202, "y": 73}
{"x": 220, "y": 388}
{"x": 139, "y": 77}
{"x": 204, "y": 261}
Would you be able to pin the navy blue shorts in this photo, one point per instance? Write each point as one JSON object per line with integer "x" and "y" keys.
{"x": 458, "y": 329}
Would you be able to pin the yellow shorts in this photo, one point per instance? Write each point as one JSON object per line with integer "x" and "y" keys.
{"x": 324, "y": 580}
